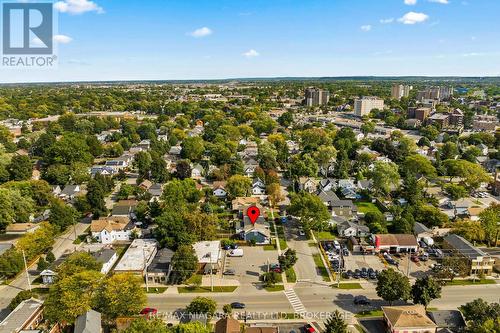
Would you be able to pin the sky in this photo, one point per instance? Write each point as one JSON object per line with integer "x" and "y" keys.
{"x": 103, "y": 40}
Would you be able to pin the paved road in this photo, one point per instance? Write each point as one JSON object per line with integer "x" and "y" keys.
{"x": 305, "y": 268}
{"x": 316, "y": 298}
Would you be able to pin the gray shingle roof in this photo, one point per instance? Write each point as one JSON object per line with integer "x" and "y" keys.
{"x": 464, "y": 247}
{"x": 89, "y": 322}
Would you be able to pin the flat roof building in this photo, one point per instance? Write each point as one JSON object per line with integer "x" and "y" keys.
{"x": 138, "y": 256}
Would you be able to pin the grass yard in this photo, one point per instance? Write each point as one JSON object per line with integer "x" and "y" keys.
{"x": 469, "y": 282}
{"x": 283, "y": 244}
{"x": 269, "y": 247}
{"x": 312, "y": 244}
{"x": 278, "y": 287}
{"x": 324, "y": 235}
{"x": 365, "y": 207}
{"x": 195, "y": 279}
{"x": 351, "y": 285}
{"x": 281, "y": 235}
{"x": 291, "y": 277}
{"x": 156, "y": 290}
{"x": 206, "y": 289}
{"x": 321, "y": 267}
{"x": 369, "y": 313}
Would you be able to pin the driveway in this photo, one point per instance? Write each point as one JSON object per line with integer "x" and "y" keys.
{"x": 249, "y": 267}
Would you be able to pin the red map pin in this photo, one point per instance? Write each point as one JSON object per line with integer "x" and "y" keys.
{"x": 253, "y": 213}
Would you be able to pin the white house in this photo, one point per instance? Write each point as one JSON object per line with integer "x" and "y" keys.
{"x": 107, "y": 257}
{"x": 197, "y": 171}
{"x": 111, "y": 229}
{"x": 219, "y": 189}
{"x": 258, "y": 187}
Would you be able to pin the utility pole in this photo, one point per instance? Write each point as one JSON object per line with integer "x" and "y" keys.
{"x": 211, "y": 275}
{"x": 409, "y": 262}
{"x": 26, "y": 270}
{"x": 145, "y": 269}
{"x": 74, "y": 230}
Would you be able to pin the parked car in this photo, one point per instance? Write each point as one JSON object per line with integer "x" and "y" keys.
{"x": 361, "y": 300}
{"x": 309, "y": 329}
{"x": 238, "y": 305}
{"x": 301, "y": 232}
{"x": 345, "y": 252}
{"x": 414, "y": 258}
{"x": 229, "y": 271}
{"x": 149, "y": 312}
{"x": 235, "y": 253}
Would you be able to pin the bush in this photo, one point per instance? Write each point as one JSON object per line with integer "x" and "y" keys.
{"x": 21, "y": 296}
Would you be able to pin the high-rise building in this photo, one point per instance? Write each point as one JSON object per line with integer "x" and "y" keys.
{"x": 366, "y": 104}
{"x": 316, "y": 97}
{"x": 436, "y": 93}
{"x": 399, "y": 91}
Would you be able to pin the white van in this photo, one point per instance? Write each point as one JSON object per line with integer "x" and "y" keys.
{"x": 235, "y": 253}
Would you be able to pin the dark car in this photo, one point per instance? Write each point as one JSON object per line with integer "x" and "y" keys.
{"x": 357, "y": 275}
{"x": 361, "y": 300}
{"x": 238, "y": 305}
{"x": 364, "y": 274}
{"x": 345, "y": 252}
{"x": 346, "y": 276}
{"x": 229, "y": 271}
{"x": 309, "y": 329}
{"x": 372, "y": 276}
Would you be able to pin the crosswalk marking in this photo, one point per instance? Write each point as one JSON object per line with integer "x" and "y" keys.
{"x": 294, "y": 300}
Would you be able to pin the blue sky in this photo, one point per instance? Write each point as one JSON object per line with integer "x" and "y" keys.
{"x": 208, "y": 39}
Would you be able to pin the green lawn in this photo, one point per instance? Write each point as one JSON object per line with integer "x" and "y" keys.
{"x": 469, "y": 282}
{"x": 278, "y": 287}
{"x": 283, "y": 244}
{"x": 195, "y": 279}
{"x": 321, "y": 267}
{"x": 351, "y": 285}
{"x": 370, "y": 313}
{"x": 281, "y": 235}
{"x": 206, "y": 289}
{"x": 155, "y": 290}
{"x": 312, "y": 244}
{"x": 269, "y": 247}
{"x": 365, "y": 207}
{"x": 291, "y": 277}
{"x": 324, "y": 235}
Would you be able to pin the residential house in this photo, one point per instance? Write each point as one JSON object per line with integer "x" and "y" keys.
{"x": 352, "y": 229}
{"x": 102, "y": 170}
{"x": 117, "y": 164}
{"x": 479, "y": 262}
{"x": 197, "y": 171}
{"x": 21, "y": 228}
{"x": 327, "y": 184}
{"x": 344, "y": 208}
{"x": 308, "y": 184}
{"x": 407, "y": 318}
{"x": 395, "y": 243}
{"x": 327, "y": 197}
{"x": 227, "y": 325}
{"x": 156, "y": 190}
{"x": 48, "y": 276}
{"x": 452, "y": 320}
{"x": 124, "y": 208}
{"x": 56, "y": 190}
{"x": 347, "y": 188}
{"x": 249, "y": 166}
{"x": 89, "y": 322}
{"x": 138, "y": 257}
{"x": 219, "y": 189}
{"x": 258, "y": 187}
{"x": 28, "y": 315}
{"x": 258, "y": 232}
{"x": 421, "y": 231}
{"x": 365, "y": 184}
{"x": 107, "y": 257}
{"x": 69, "y": 192}
{"x": 175, "y": 151}
{"x": 111, "y": 229}
{"x": 240, "y": 204}
{"x": 160, "y": 268}
{"x": 146, "y": 184}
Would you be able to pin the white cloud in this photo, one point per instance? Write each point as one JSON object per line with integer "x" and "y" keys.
{"x": 387, "y": 21}
{"x": 62, "y": 39}
{"x": 78, "y": 7}
{"x": 410, "y": 2}
{"x": 413, "y": 18}
{"x": 366, "y": 28}
{"x": 444, "y": 2}
{"x": 201, "y": 32}
{"x": 251, "y": 53}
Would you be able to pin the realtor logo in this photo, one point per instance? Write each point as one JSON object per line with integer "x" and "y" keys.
{"x": 27, "y": 34}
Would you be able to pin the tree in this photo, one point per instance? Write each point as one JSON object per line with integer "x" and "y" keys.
{"x": 62, "y": 215}
{"x": 150, "y": 325}
{"x": 202, "y": 306}
{"x": 376, "y": 222}
{"x": 303, "y": 165}
{"x": 183, "y": 169}
{"x": 95, "y": 197}
{"x": 470, "y": 230}
{"x": 418, "y": 164}
{"x": 393, "y": 286}
{"x": 142, "y": 162}
{"x": 430, "y": 216}
{"x": 238, "y": 186}
{"x": 159, "y": 172}
{"x": 271, "y": 278}
{"x": 481, "y": 316}
{"x": 310, "y": 209}
{"x": 471, "y": 174}
{"x": 336, "y": 323}
{"x": 121, "y": 295}
{"x": 274, "y": 194}
{"x": 453, "y": 265}
{"x": 57, "y": 174}
{"x": 227, "y": 309}
{"x": 20, "y": 168}
{"x": 449, "y": 151}
{"x": 21, "y": 296}
{"x": 193, "y": 148}
{"x": 286, "y": 119}
{"x": 192, "y": 327}
{"x": 385, "y": 176}
{"x": 184, "y": 263}
{"x": 455, "y": 191}
{"x": 42, "y": 265}
{"x": 78, "y": 262}
{"x": 425, "y": 290}
{"x": 490, "y": 221}
{"x": 71, "y": 296}
{"x": 288, "y": 259}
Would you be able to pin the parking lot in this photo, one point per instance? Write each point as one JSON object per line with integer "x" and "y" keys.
{"x": 248, "y": 268}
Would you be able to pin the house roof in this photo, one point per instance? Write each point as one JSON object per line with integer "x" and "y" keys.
{"x": 89, "y": 322}
{"x": 109, "y": 224}
{"x": 395, "y": 239}
{"x": 20, "y": 227}
{"x": 448, "y": 319}
{"x": 419, "y": 228}
{"x": 219, "y": 185}
{"x": 243, "y": 202}
{"x": 70, "y": 189}
{"x": 344, "y": 203}
{"x": 16, "y": 320}
{"x": 348, "y": 224}
{"x": 156, "y": 189}
{"x": 328, "y": 196}
{"x": 161, "y": 261}
{"x": 409, "y": 316}
{"x": 464, "y": 247}
{"x": 207, "y": 251}
{"x": 227, "y": 325}
{"x": 104, "y": 255}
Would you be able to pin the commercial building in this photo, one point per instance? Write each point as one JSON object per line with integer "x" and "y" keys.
{"x": 419, "y": 113}
{"x": 138, "y": 257}
{"x": 399, "y": 91}
{"x": 363, "y": 106}
{"x": 316, "y": 97}
{"x": 409, "y": 318}
{"x": 479, "y": 262}
{"x": 395, "y": 242}
{"x": 435, "y": 93}
{"x": 485, "y": 123}
{"x": 26, "y": 317}
{"x": 209, "y": 254}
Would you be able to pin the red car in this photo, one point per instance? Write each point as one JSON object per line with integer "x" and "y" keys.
{"x": 309, "y": 329}
{"x": 414, "y": 259}
{"x": 149, "y": 312}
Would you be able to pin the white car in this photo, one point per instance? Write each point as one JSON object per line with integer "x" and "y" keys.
{"x": 301, "y": 232}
